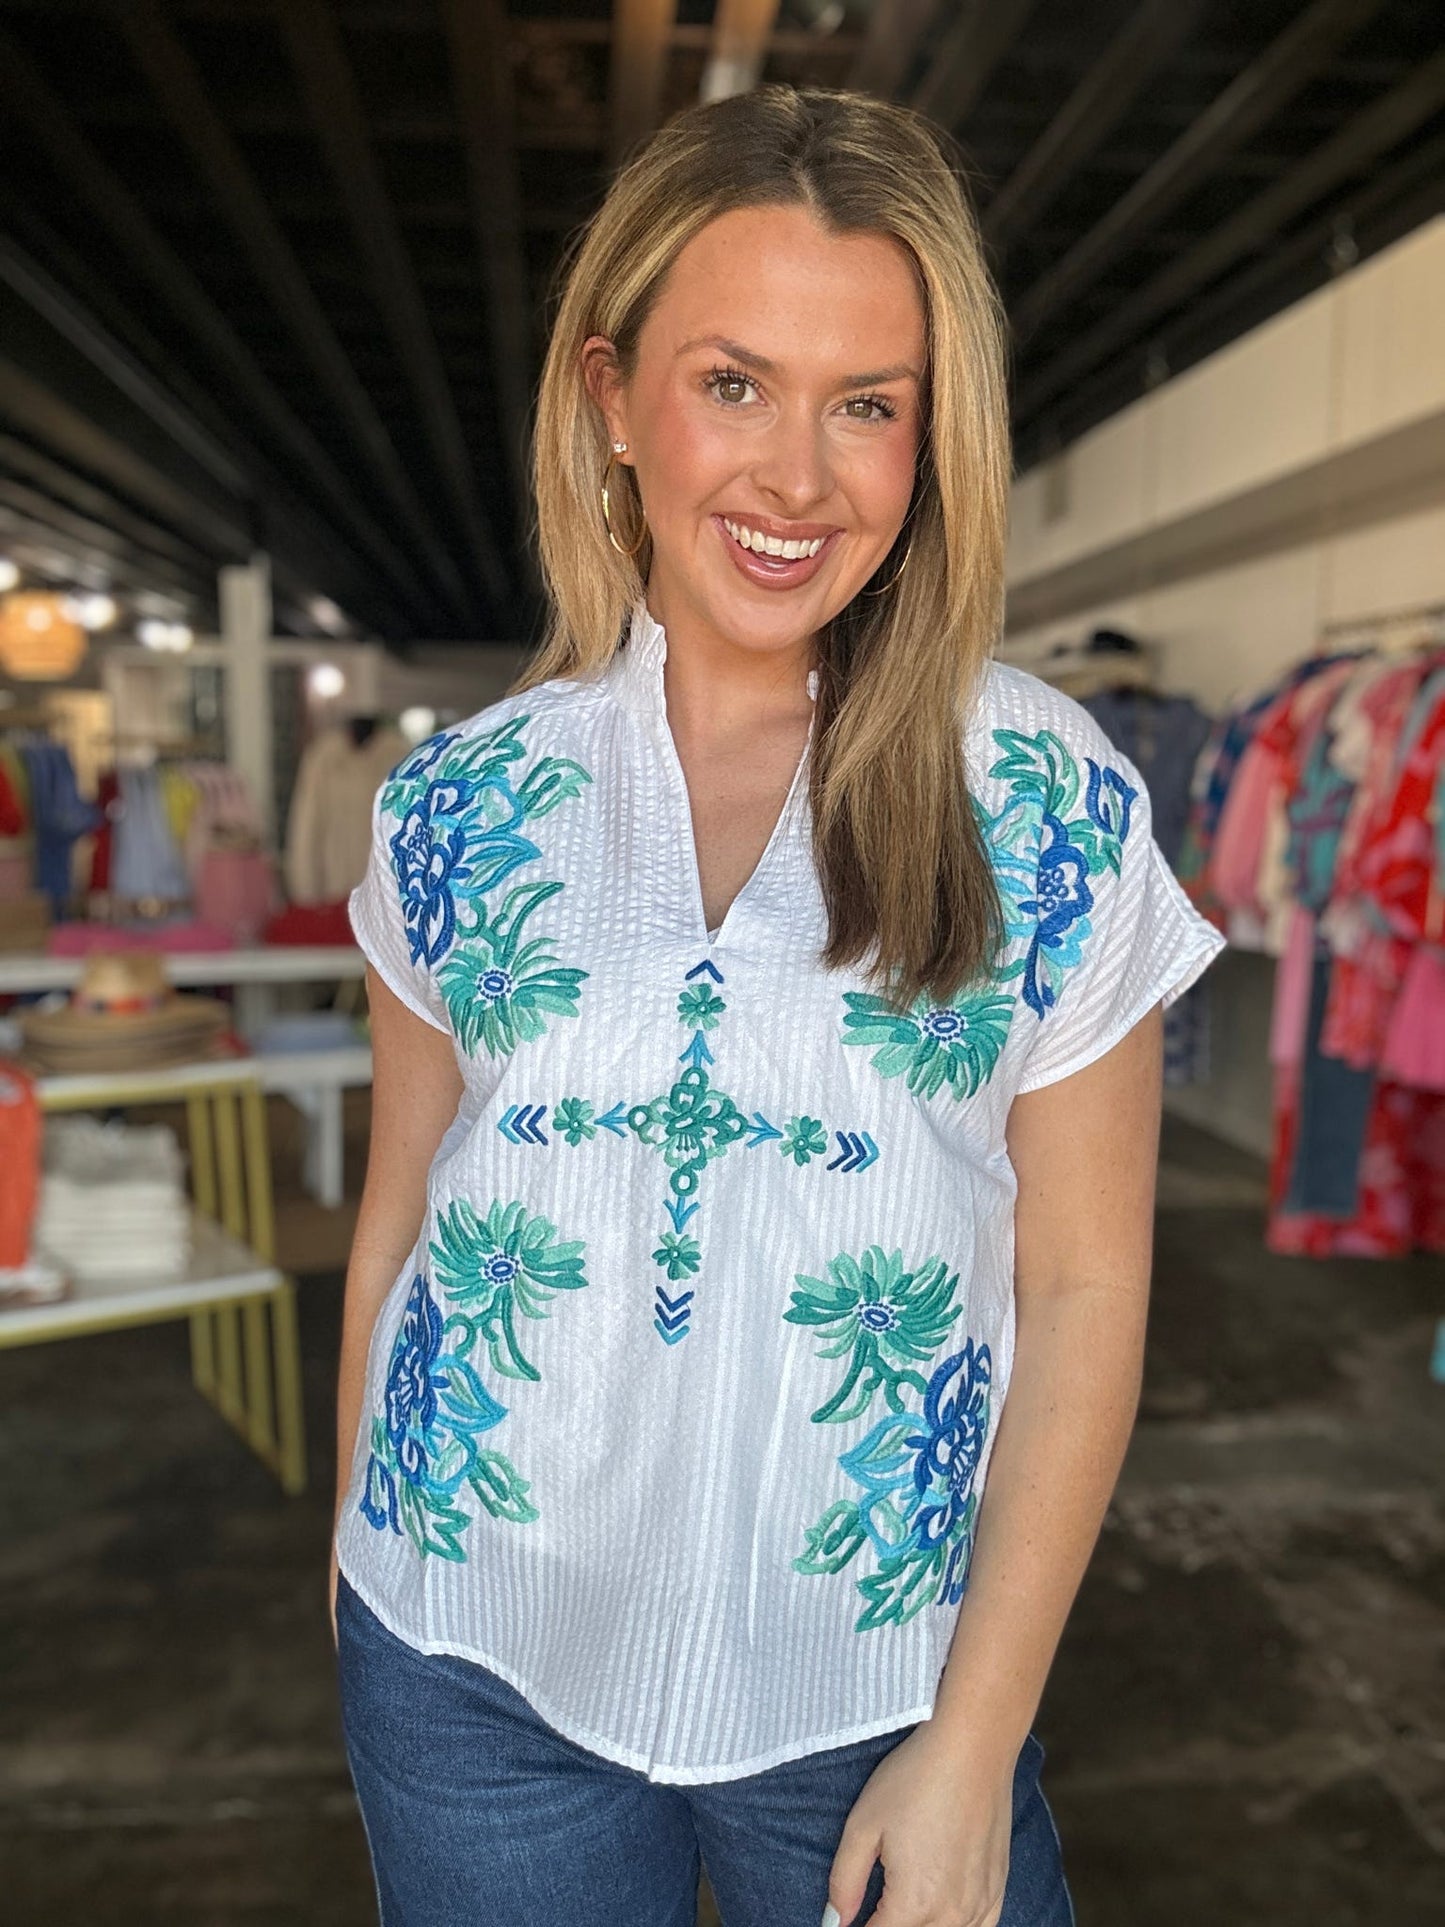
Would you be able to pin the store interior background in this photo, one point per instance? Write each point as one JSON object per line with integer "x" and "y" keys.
{"x": 273, "y": 290}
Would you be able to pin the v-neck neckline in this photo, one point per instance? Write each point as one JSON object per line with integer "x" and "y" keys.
{"x": 636, "y": 675}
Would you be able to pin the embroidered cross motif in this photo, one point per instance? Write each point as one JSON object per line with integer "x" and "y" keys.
{"x": 691, "y": 1124}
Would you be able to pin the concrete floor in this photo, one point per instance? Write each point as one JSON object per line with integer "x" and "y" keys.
{"x": 1246, "y": 1721}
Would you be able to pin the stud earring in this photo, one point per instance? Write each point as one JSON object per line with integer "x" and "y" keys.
{"x": 619, "y": 448}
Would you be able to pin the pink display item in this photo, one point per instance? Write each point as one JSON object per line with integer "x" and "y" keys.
{"x": 79, "y": 939}
{"x": 236, "y": 890}
{"x": 1239, "y": 843}
{"x": 1414, "y": 1051}
{"x": 1290, "y": 1011}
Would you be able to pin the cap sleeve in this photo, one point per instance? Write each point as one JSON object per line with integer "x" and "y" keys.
{"x": 394, "y": 946}
{"x": 1111, "y": 933}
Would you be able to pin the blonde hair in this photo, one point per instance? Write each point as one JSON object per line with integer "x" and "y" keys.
{"x": 901, "y": 860}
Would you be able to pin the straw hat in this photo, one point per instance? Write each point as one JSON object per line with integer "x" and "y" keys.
{"x": 123, "y": 1016}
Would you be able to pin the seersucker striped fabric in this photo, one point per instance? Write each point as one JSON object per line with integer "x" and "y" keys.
{"x": 679, "y": 1415}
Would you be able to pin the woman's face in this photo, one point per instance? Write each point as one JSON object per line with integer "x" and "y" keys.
{"x": 777, "y": 394}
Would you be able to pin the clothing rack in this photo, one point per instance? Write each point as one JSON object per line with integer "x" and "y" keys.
{"x": 1385, "y": 619}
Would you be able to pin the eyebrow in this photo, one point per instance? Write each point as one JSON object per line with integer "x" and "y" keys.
{"x": 903, "y": 370}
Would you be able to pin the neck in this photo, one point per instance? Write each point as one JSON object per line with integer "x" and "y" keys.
{"x": 715, "y": 683}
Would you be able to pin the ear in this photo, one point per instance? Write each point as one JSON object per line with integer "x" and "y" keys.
{"x": 602, "y": 373}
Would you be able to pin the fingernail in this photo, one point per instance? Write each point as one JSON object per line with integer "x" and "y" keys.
{"x": 831, "y": 1916}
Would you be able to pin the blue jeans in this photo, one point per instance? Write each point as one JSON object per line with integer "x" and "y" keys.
{"x": 479, "y": 1812}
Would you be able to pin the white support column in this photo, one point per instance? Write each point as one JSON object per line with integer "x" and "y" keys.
{"x": 245, "y": 596}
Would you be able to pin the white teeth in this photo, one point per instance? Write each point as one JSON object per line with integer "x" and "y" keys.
{"x": 771, "y": 544}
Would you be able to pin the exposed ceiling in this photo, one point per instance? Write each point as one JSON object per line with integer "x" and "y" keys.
{"x": 275, "y": 271}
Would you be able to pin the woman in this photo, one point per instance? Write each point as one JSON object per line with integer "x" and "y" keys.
{"x": 765, "y": 1009}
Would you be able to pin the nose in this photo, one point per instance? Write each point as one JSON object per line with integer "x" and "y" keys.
{"x": 791, "y": 465}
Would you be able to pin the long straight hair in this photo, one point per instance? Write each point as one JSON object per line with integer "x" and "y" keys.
{"x": 905, "y": 876}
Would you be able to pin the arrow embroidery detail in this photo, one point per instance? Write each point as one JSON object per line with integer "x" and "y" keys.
{"x": 690, "y": 1125}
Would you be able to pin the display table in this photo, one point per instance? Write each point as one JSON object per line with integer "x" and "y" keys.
{"x": 253, "y": 972}
{"x": 245, "y": 1353}
{"x": 313, "y": 1081}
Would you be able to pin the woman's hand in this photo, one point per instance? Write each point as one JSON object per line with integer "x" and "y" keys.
{"x": 938, "y": 1812}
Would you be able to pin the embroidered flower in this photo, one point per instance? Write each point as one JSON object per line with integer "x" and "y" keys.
{"x": 411, "y": 1389}
{"x": 700, "y": 1007}
{"x": 378, "y": 1500}
{"x": 429, "y": 851}
{"x": 931, "y": 1046}
{"x": 883, "y": 1317}
{"x": 494, "y": 1267}
{"x": 804, "y": 1138}
{"x": 1108, "y": 800}
{"x": 499, "y": 990}
{"x": 425, "y": 756}
{"x": 949, "y": 1445}
{"x": 1063, "y": 886}
{"x": 678, "y": 1255}
{"x": 573, "y": 1119}
{"x": 692, "y": 1125}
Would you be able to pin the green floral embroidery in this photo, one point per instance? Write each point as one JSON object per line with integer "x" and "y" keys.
{"x": 573, "y": 1119}
{"x": 678, "y": 1255}
{"x": 494, "y": 1267}
{"x": 693, "y": 1124}
{"x": 425, "y": 1452}
{"x": 804, "y": 1138}
{"x": 463, "y": 816}
{"x": 882, "y": 1318}
{"x": 916, "y": 1466}
{"x": 933, "y": 1045}
{"x": 700, "y": 1008}
{"x": 1059, "y": 827}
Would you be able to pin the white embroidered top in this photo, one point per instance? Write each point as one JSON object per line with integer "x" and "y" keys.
{"x": 679, "y": 1414}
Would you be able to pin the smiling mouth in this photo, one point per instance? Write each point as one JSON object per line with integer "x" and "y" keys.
{"x": 777, "y": 547}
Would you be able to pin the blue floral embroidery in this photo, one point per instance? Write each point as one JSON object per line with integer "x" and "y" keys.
{"x": 1054, "y": 836}
{"x": 916, "y": 1466}
{"x": 425, "y": 1456}
{"x": 1084, "y": 823}
{"x": 463, "y": 818}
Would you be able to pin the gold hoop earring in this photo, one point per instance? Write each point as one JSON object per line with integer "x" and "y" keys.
{"x": 896, "y": 573}
{"x": 607, "y": 515}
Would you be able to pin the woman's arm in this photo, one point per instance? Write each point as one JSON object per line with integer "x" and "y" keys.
{"x": 938, "y": 1809}
{"x": 415, "y": 1089}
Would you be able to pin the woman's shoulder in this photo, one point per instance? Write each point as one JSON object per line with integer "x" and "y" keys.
{"x": 541, "y": 720}
{"x": 1013, "y": 709}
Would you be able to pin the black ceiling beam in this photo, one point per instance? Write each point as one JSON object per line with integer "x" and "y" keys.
{"x": 403, "y": 126}
{"x": 331, "y": 95}
{"x": 27, "y": 96}
{"x": 476, "y": 30}
{"x": 890, "y": 44}
{"x": 1380, "y": 127}
{"x": 47, "y": 418}
{"x": 120, "y": 348}
{"x": 99, "y": 547}
{"x": 86, "y": 498}
{"x": 1396, "y": 199}
{"x": 178, "y": 86}
{"x": 1152, "y": 36}
{"x": 970, "y": 50}
{"x": 55, "y": 304}
{"x": 1281, "y": 72}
